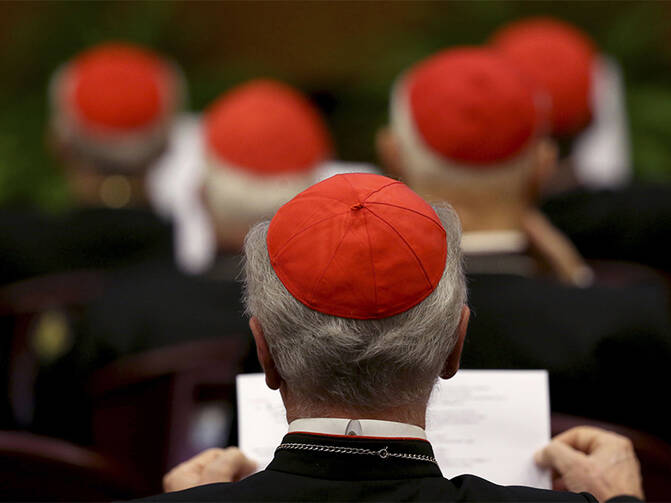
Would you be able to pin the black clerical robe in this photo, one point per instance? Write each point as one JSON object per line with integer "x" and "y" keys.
{"x": 337, "y": 468}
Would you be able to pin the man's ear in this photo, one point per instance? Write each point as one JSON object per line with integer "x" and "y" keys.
{"x": 452, "y": 363}
{"x": 389, "y": 152}
{"x": 546, "y": 154}
{"x": 273, "y": 378}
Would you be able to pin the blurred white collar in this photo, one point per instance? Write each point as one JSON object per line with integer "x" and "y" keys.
{"x": 493, "y": 242}
{"x": 356, "y": 427}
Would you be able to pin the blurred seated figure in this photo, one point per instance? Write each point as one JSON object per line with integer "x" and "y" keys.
{"x": 467, "y": 129}
{"x": 592, "y": 197}
{"x": 111, "y": 109}
{"x": 358, "y": 305}
{"x": 176, "y": 187}
{"x": 263, "y": 142}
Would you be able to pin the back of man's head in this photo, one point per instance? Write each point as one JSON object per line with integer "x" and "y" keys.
{"x": 559, "y": 59}
{"x": 263, "y": 142}
{"x": 588, "y": 117}
{"x": 112, "y": 107}
{"x": 466, "y": 126}
{"x": 357, "y": 283}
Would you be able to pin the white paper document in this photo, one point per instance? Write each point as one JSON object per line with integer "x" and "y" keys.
{"x": 487, "y": 423}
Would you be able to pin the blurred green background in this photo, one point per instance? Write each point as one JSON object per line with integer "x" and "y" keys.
{"x": 345, "y": 54}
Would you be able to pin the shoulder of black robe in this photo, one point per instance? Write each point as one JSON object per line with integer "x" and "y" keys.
{"x": 302, "y": 475}
{"x": 33, "y": 243}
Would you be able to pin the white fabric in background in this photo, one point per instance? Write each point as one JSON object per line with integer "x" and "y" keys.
{"x": 602, "y": 153}
{"x": 174, "y": 186}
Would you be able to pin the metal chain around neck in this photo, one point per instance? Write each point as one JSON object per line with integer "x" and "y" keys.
{"x": 381, "y": 453}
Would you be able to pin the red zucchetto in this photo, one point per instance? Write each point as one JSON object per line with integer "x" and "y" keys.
{"x": 266, "y": 128}
{"x": 470, "y": 106}
{"x": 558, "y": 58}
{"x": 358, "y": 246}
{"x": 119, "y": 87}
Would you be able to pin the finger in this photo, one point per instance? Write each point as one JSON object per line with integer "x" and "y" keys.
{"x": 206, "y": 457}
{"x": 559, "y": 456}
{"x": 247, "y": 469}
{"x": 589, "y": 439}
{"x": 200, "y": 460}
{"x": 558, "y": 484}
{"x": 188, "y": 474}
{"x": 180, "y": 479}
{"x": 229, "y": 465}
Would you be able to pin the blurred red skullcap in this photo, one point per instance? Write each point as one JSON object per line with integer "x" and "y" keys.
{"x": 557, "y": 57}
{"x": 469, "y": 105}
{"x": 267, "y": 128}
{"x": 358, "y": 246}
{"x": 120, "y": 86}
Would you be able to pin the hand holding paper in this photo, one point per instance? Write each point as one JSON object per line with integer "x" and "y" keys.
{"x": 209, "y": 467}
{"x": 593, "y": 460}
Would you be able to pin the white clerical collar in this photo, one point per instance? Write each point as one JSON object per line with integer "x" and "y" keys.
{"x": 493, "y": 242}
{"x": 356, "y": 427}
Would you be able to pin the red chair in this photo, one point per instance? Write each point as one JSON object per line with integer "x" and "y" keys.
{"x": 157, "y": 409}
{"x": 35, "y": 468}
{"x": 653, "y": 453}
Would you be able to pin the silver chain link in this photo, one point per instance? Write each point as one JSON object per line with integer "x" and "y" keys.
{"x": 381, "y": 453}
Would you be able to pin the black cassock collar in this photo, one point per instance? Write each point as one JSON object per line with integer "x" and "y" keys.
{"x": 329, "y": 457}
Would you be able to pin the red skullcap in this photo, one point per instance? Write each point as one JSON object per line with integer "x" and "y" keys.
{"x": 120, "y": 86}
{"x": 558, "y": 58}
{"x": 470, "y": 106}
{"x": 358, "y": 246}
{"x": 267, "y": 128}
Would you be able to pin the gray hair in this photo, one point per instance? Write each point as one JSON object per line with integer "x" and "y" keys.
{"x": 365, "y": 365}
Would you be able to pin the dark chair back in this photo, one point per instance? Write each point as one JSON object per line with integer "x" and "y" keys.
{"x": 36, "y": 317}
{"x": 156, "y": 409}
{"x": 653, "y": 453}
{"x": 35, "y": 468}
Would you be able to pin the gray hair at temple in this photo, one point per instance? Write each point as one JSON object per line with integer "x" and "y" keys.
{"x": 365, "y": 365}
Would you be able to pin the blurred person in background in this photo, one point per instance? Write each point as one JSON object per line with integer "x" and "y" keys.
{"x": 263, "y": 142}
{"x": 591, "y": 198}
{"x": 467, "y": 128}
{"x": 585, "y": 95}
{"x": 177, "y": 181}
{"x": 112, "y": 107}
